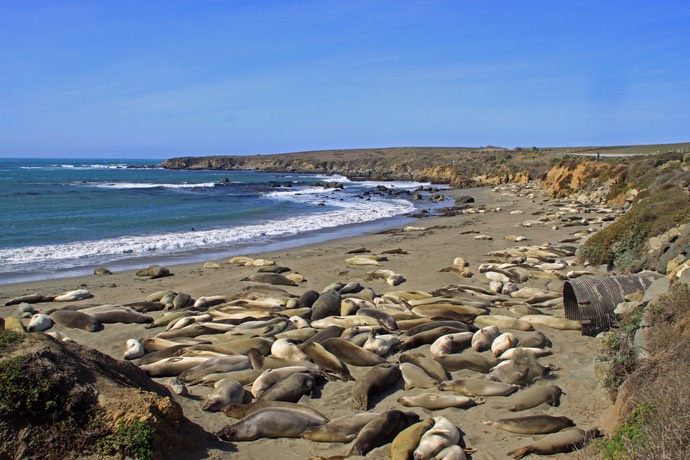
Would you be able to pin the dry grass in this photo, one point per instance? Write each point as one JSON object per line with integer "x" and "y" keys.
{"x": 657, "y": 424}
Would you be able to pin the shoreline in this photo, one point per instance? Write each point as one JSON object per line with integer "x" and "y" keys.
{"x": 321, "y": 264}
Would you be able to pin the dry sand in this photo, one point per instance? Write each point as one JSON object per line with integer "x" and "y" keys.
{"x": 427, "y": 252}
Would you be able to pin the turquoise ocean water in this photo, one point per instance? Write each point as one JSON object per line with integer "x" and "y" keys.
{"x": 64, "y": 217}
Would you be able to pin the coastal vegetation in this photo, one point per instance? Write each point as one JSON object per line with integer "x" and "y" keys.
{"x": 652, "y": 392}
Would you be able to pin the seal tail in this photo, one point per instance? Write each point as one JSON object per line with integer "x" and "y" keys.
{"x": 520, "y": 453}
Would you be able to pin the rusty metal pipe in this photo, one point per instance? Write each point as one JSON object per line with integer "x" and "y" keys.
{"x": 592, "y": 300}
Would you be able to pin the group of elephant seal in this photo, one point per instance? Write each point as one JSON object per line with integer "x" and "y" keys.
{"x": 266, "y": 351}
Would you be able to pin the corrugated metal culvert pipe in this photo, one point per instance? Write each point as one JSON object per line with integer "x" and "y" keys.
{"x": 591, "y": 300}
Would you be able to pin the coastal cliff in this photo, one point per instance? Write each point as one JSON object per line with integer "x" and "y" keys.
{"x": 457, "y": 167}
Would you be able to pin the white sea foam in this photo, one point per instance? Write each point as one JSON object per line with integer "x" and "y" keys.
{"x": 82, "y": 253}
{"x": 136, "y": 185}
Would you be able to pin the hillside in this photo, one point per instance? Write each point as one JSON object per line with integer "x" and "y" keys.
{"x": 456, "y": 166}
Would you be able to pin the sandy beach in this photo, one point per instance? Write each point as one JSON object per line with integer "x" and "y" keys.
{"x": 431, "y": 246}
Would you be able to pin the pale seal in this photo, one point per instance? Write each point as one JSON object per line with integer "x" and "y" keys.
{"x": 134, "y": 349}
{"x": 443, "y": 434}
{"x": 71, "y": 296}
{"x": 39, "y": 322}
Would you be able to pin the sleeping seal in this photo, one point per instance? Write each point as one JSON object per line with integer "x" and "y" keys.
{"x": 342, "y": 429}
{"x": 379, "y": 378}
{"x": 532, "y": 424}
{"x": 270, "y": 423}
{"x": 382, "y": 430}
{"x": 565, "y": 441}
{"x": 76, "y": 320}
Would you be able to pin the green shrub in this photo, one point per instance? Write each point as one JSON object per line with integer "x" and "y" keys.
{"x": 24, "y": 390}
{"x": 623, "y": 242}
{"x": 628, "y": 438}
{"x": 133, "y": 439}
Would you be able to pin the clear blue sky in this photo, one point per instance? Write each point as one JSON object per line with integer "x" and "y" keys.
{"x": 157, "y": 79}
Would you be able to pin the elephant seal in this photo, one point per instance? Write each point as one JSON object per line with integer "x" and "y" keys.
{"x": 71, "y": 296}
{"x": 240, "y": 411}
{"x": 408, "y": 439}
{"x": 288, "y": 349}
{"x": 171, "y": 367}
{"x": 382, "y": 430}
{"x": 270, "y": 377}
{"x": 290, "y": 389}
{"x": 503, "y": 342}
{"x": 39, "y": 322}
{"x": 565, "y": 441}
{"x": 326, "y": 360}
{"x": 436, "y": 401}
{"x": 451, "y": 343}
{"x": 121, "y": 315}
{"x": 384, "y": 318}
{"x": 328, "y": 304}
{"x": 76, "y": 320}
{"x": 29, "y": 298}
{"x": 351, "y": 354}
{"x": 502, "y": 321}
{"x": 270, "y": 423}
{"x": 532, "y": 424}
{"x": 102, "y": 271}
{"x": 428, "y": 337}
{"x": 134, "y": 349}
{"x": 145, "y": 307}
{"x": 379, "y": 378}
{"x": 477, "y": 387}
{"x": 308, "y": 298}
{"x": 429, "y": 324}
{"x": 510, "y": 372}
{"x": 154, "y": 271}
{"x": 415, "y": 377}
{"x": 430, "y": 366}
{"x": 227, "y": 392}
{"x": 534, "y": 396}
{"x": 443, "y": 434}
{"x": 472, "y": 361}
{"x": 274, "y": 279}
{"x": 484, "y": 337}
{"x": 214, "y": 365}
{"x": 25, "y": 310}
{"x": 342, "y": 429}
{"x": 245, "y": 377}
{"x": 552, "y": 322}
{"x": 534, "y": 339}
{"x": 329, "y": 332}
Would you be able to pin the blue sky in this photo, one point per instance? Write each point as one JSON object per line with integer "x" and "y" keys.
{"x": 157, "y": 79}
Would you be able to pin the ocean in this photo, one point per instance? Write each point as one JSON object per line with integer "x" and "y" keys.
{"x": 64, "y": 217}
